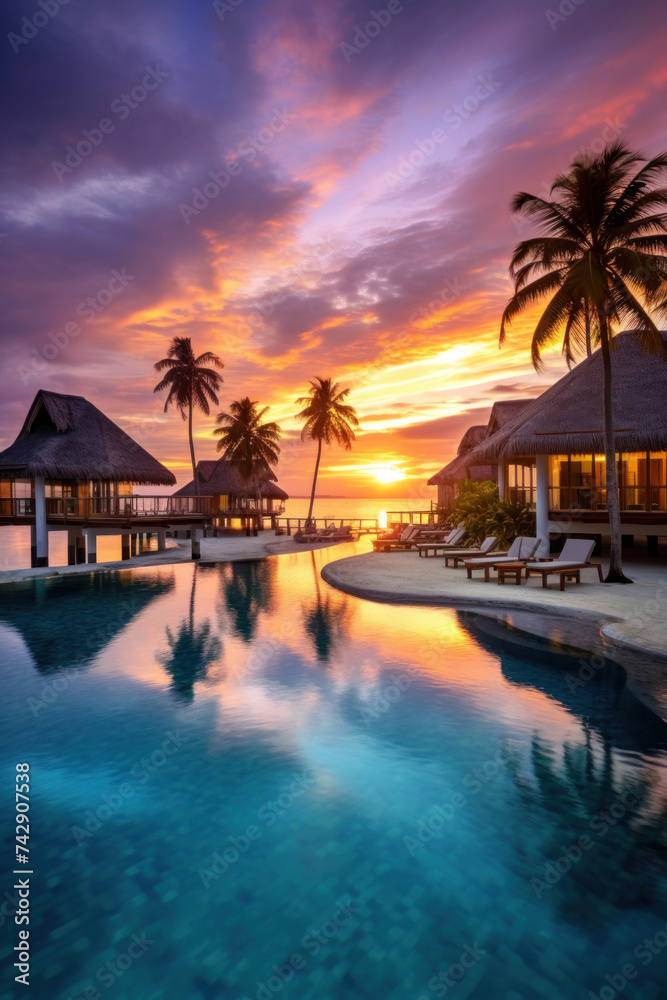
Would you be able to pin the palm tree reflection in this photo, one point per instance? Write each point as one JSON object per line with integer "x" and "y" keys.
{"x": 192, "y": 649}
{"x": 598, "y": 787}
{"x": 623, "y": 817}
{"x": 327, "y": 620}
{"x": 247, "y": 592}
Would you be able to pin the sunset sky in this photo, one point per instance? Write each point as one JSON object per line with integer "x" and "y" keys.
{"x": 359, "y": 227}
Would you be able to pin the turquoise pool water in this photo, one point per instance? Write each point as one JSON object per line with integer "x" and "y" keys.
{"x": 247, "y": 785}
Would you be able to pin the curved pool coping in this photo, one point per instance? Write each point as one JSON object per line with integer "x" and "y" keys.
{"x": 578, "y": 627}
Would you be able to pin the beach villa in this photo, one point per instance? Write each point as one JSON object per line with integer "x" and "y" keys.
{"x": 549, "y": 454}
{"x": 73, "y": 469}
{"x": 461, "y": 467}
{"x": 231, "y": 499}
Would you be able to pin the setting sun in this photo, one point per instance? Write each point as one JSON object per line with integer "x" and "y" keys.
{"x": 388, "y": 474}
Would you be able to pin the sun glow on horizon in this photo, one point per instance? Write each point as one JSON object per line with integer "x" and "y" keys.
{"x": 387, "y": 474}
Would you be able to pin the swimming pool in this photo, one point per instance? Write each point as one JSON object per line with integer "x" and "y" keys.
{"x": 248, "y": 785}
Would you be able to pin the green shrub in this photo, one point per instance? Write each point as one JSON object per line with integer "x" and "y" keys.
{"x": 482, "y": 511}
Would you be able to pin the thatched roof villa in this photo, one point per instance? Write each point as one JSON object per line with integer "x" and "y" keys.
{"x": 462, "y": 467}
{"x": 551, "y": 454}
{"x": 72, "y": 467}
{"x": 66, "y": 438}
{"x": 232, "y": 498}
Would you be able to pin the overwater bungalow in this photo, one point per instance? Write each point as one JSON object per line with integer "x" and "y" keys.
{"x": 72, "y": 468}
{"x": 551, "y": 455}
{"x": 232, "y": 499}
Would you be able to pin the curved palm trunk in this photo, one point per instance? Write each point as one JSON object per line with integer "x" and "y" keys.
{"x": 317, "y": 469}
{"x": 195, "y": 477}
{"x": 615, "y": 574}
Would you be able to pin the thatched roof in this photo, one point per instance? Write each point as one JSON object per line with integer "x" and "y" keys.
{"x": 66, "y": 437}
{"x": 471, "y": 438}
{"x": 503, "y": 411}
{"x": 220, "y": 478}
{"x": 567, "y": 417}
{"x": 457, "y": 468}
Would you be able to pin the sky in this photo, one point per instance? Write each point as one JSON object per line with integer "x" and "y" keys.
{"x": 306, "y": 189}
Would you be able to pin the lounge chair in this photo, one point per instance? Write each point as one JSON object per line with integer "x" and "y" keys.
{"x": 574, "y": 557}
{"x": 461, "y": 555}
{"x": 455, "y": 541}
{"x": 342, "y": 534}
{"x": 521, "y": 549}
{"x": 312, "y": 534}
{"x": 431, "y": 533}
{"x": 404, "y": 540}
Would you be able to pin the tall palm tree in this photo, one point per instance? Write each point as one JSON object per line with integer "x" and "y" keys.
{"x": 191, "y": 385}
{"x": 601, "y": 256}
{"x": 327, "y": 418}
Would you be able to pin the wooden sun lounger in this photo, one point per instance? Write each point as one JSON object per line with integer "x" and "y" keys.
{"x": 441, "y": 548}
{"x": 568, "y": 565}
{"x": 521, "y": 549}
{"x": 462, "y": 555}
{"x": 566, "y": 571}
{"x": 404, "y": 540}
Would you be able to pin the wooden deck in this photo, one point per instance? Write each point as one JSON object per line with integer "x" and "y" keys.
{"x": 122, "y": 512}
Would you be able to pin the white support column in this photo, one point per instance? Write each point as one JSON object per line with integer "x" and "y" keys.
{"x": 501, "y": 478}
{"x": 542, "y": 504}
{"x": 161, "y": 540}
{"x": 195, "y": 535}
{"x": 41, "y": 556}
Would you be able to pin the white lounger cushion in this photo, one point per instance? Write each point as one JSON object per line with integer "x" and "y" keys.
{"x": 555, "y": 566}
{"x": 522, "y": 547}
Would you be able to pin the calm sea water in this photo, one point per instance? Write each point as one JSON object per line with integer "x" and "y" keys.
{"x": 15, "y": 542}
{"x": 248, "y": 785}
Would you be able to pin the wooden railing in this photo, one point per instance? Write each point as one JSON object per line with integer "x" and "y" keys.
{"x": 109, "y": 507}
{"x": 412, "y": 516}
{"x": 246, "y": 510}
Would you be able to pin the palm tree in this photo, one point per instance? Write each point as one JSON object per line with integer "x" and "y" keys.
{"x": 248, "y": 444}
{"x": 601, "y": 258}
{"x": 191, "y": 384}
{"x": 251, "y": 446}
{"x": 327, "y": 418}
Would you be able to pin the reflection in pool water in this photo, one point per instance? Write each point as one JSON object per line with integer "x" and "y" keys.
{"x": 248, "y": 785}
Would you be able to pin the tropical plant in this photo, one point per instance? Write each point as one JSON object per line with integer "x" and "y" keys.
{"x": 326, "y": 418}
{"x": 478, "y": 506}
{"x": 601, "y": 259}
{"x": 191, "y": 384}
{"x": 248, "y": 444}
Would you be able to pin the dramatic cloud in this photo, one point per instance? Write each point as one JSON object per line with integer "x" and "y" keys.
{"x": 307, "y": 189}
